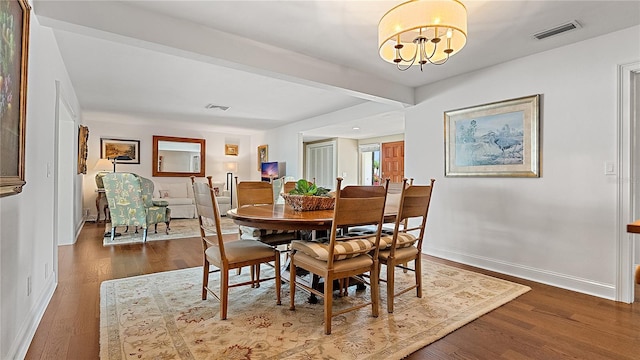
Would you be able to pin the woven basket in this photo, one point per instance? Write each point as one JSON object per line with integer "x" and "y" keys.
{"x": 309, "y": 203}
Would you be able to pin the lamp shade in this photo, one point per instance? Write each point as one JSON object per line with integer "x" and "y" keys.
{"x": 103, "y": 165}
{"x": 443, "y": 20}
{"x": 231, "y": 166}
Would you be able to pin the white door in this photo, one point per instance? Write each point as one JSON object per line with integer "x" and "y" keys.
{"x": 321, "y": 164}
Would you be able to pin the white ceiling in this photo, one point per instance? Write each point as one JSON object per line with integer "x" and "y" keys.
{"x": 277, "y": 62}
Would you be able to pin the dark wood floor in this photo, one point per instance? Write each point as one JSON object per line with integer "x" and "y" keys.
{"x": 545, "y": 323}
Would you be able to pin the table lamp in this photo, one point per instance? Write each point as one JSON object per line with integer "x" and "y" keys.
{"x": 230, "y": 167}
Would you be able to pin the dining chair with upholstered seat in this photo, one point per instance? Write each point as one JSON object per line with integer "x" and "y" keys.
{"x": 251, "y": 193}
{"x": 227, "y": 255}
{"x": 403, "y": 246}
{"x": 340, "y": 257}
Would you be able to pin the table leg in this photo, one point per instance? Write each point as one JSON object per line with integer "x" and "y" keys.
{"x": 98, "y": 207}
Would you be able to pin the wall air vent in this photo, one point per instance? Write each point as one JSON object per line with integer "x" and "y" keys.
{"x": 557, "y": 30}
{"x": 220, "y": 107}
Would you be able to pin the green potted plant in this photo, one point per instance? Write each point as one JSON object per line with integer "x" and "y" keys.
{"x": 307, "y": 196}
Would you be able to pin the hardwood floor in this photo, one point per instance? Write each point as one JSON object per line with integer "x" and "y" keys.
{"x": 545, "y": 323}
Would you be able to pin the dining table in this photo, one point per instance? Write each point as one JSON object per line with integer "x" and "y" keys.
{"x": 283, "y": 217}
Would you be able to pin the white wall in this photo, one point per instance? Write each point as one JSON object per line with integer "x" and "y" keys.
{"x": 27, "y": 241}
{"x": 347, "y": 152}
{"x": 559, "y": 228}
{"x": 100, "y": 126}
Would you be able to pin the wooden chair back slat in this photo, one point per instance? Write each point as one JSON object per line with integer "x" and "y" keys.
{"x": 357, "y": 205}
{"x": 253, "y": 193}
{"x": 208, "y": 213}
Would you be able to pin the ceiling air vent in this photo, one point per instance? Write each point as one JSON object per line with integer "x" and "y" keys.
{"x": 212, "y": 106}
{"x": 557, "y": 30}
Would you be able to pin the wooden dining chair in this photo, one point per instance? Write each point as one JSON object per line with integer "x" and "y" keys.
{"x": 227, "y": 255}
{"x": 403, "y": 246}
{"x": 341, "y": 257}
{"x": 251, "y": 193}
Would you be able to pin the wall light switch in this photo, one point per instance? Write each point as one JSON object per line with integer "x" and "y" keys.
{"x": 609, "y": 168}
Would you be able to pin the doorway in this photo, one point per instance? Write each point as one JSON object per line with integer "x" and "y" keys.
{"x": 392, "y": 161}
{"x": 628, "y": 182}
{"x": 369, "y": 164}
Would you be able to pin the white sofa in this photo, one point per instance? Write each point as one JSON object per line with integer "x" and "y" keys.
{"x": 181, "y": 200}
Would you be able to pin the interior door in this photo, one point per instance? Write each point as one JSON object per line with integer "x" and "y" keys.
{"x": 321, "y": 164}
{"x": 392, "y": 161}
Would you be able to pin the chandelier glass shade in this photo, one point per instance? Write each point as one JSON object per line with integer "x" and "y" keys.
{"x": 422, "y": 31}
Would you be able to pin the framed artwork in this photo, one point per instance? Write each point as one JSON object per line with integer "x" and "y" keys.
{"x": 110, "y": 148}
{"x": 263, "y": 155}
{"x": 14, "y": 47}
{"x": 499, "y": 139}
{"x": 230, "y": 149}
{"x": 83, "y": 137}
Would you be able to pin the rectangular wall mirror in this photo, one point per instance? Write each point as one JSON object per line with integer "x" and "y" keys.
{"x": 175, "y": 156}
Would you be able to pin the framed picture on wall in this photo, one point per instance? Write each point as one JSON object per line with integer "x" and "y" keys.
{"x": 263, "y": 155}
{"x": 499, "y": 139}
{"x": 83, "y": 137}
{"x": 111, "y": 148}
{"x": 231, "y": 149}
{"x": 14, "y": 20}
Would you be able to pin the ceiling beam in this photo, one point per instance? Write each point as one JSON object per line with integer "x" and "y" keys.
{"x": 116, "y": 21}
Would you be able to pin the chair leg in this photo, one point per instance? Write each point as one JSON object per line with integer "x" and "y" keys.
{"x": 278, "y": 282}
{"x": 167, "y": 228}
{"x": 405, "y": 265}
{"x": 144, "y": 235}
{"x": 257, "y": 273}
{"x": 113, "y": 233}
{"x": 375, "y": 289}
{"x": 419, "y": 276}
{"x": 390, "y": 285}
{"x": 205, "y": 279}
{"x": 328, "y": 303}
{"x": 292, "y": 284}
{"x": 224, "y": 292}
{"x": 155, "y": 228}
{"x": 252, "y": 271}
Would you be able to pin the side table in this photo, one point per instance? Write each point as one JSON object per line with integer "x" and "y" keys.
{"x": 107, "y": 214}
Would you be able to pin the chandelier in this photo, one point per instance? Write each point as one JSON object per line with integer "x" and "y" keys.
{"x": 422, "y": 31}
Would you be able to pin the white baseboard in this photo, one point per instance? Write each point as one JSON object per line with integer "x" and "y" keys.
{"x": 564, "y": 281}
{"x": 20, "y": 346}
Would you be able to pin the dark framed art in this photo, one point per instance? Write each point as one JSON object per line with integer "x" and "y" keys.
{"x": 111, "y": 148}
{"x": 14, "y": 21}
{"x": 499, "y": 139}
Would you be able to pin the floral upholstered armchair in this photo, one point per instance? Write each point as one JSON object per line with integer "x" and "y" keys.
{"x": 131, "y": 204}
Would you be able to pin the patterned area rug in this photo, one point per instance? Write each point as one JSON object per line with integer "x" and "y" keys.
{"x": 161, "y": 316}
{"x": 180, "y": 228}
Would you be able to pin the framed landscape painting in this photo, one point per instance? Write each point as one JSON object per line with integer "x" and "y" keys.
{"x": 110, "y": 148}
{"x": 14, "y": 47}
{"x": 499, "y": 139}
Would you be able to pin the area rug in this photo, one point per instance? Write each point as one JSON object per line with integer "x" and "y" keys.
{"x": 180, "y": 228}
{"x": 162, "y": 316}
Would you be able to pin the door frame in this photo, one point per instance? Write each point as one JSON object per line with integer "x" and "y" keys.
{"x": 627, "y": 211}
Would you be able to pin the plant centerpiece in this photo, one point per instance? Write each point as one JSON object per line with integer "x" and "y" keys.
{"x": 306, "y": 196}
